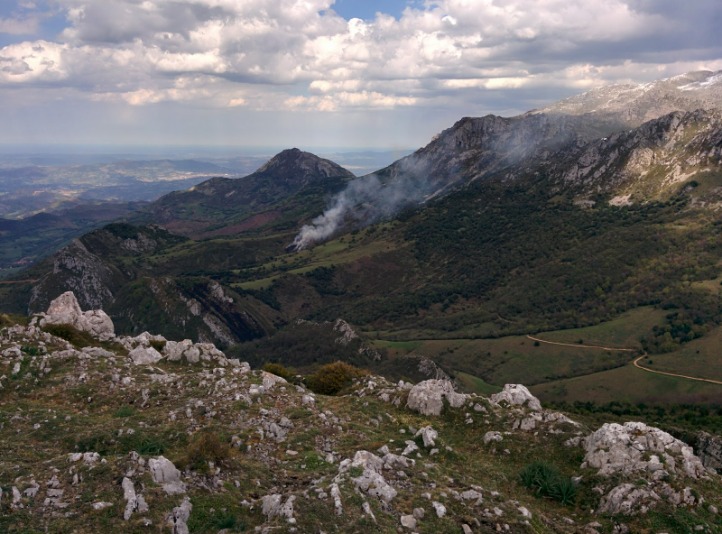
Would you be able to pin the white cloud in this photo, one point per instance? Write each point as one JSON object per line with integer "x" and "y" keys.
{"x": 40, "y": 61}
{"x": 300, "y": 55}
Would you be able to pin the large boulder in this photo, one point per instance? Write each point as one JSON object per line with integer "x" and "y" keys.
{"x": 144, "y": 356}
{"x": 517, "y": 395}
{"x": 427, "y": 397}
{"x": 637, "y": 448}
{"x": 66, "y": 310}
{"x": 165, "y": 473}
{"x": 177, "y": 351}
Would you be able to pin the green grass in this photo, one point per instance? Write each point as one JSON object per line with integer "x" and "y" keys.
{"x": 474, "y": 384}
{"x": 631, "y": 385}
{"x": 699, "y": 358}
{"x": 622, "y": 332}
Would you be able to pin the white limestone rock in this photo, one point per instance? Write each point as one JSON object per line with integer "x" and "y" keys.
{"x": 428, "y": 435}
{"x": 66, "y": 310}
{"x": 175, "y": 351}
{"x": 628, "y": 499}
{"x": 517, "y": 395}
{"x": 134, "y": 502}
{"x": 269, "y": 380}
{"x": 164, "y": 472}
{"x": 179, "y": 517}
{"x": 273, "y": 506}
{"x": 492, "y": 436}
{"x": 635, "y": 447}
{"x": 144, "y": 355}
{"x": 427, "y": 397}
{"x": 408, "y": 521}
{"x": 370, "y": 481}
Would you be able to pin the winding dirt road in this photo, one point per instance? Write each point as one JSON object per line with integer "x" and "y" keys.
{"x": 635, "y": 362}
{"x": 638, "y": 366}
{"x": 579, "y": 345}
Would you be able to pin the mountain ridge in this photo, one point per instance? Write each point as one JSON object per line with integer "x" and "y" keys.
{"x": 499, "y": 227}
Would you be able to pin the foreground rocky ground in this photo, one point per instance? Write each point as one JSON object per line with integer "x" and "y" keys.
{"x": 141, "y": 434}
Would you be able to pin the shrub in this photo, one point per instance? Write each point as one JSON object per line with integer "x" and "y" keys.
{"x": 70, "y": 334}
{"x": 546, "y": 481}
{"x": 205, "y": 447}
{"x": 331, "y": 378}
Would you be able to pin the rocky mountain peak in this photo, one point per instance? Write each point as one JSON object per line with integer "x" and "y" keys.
{"x": 294, "y": 164}
{"x": 633, "y": 104}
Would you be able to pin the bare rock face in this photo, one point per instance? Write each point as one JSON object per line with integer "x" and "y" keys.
{"x": 635, "y": 447}
{"x": 517, "y": 395}
{"x": 709, "y": 450}
{"x": 427, "y": 397}
{"x": 66, "y": 310}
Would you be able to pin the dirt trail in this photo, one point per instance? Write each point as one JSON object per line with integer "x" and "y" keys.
{"x": 708, "y": 380}
{"x": 579, "y": 345}
{"x": 635, "y": 362}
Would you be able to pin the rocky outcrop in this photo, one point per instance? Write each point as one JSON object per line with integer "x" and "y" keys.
{"x": 179, "y": 517}
{"x": 66, "y": 310}
{"x": 516, "y": 395}
{"x": 165, "y": 473}
{"x": 653, "y": 457}
{"x": 428, "y": 397}
{"x": 709, "y": 450}
{"x": 144, "y": 356}
{"x": 186, "y": 350}
{"x": 638, "y": 448}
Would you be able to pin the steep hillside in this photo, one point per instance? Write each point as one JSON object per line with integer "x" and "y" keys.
{"x": 500, "y": 227}
{"x": 25, "y": 241}
{"x": 115, "y": 269}
{"x": 279, "y": 192}
{"x": 110, "y": 433}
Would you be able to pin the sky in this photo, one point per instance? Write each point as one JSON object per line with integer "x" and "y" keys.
{"x": 321, "y": 73}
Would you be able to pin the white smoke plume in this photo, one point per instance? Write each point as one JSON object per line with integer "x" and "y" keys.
{"x": 365, "y": 201}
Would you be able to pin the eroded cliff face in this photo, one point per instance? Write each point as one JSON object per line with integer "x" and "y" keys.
{"x": 77, "y": 269}
{"x": 647, "y": 163}
{"x": 107, "y": 269}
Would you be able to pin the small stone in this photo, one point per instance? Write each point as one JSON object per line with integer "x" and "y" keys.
{"x": 419, "y": 513}
{"x": 466, "y": 528}
{"x": 439, "y": 508}
{"x": 408, "y": 521}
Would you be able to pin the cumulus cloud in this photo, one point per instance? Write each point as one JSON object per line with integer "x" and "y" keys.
{"x": 301, "y": 55}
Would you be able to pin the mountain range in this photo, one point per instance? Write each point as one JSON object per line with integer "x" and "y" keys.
{"x": 601, "y": 206}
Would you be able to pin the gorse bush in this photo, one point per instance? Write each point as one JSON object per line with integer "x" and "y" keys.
{"x": 331, "y": 378}
{"x": 546, "y": 481}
